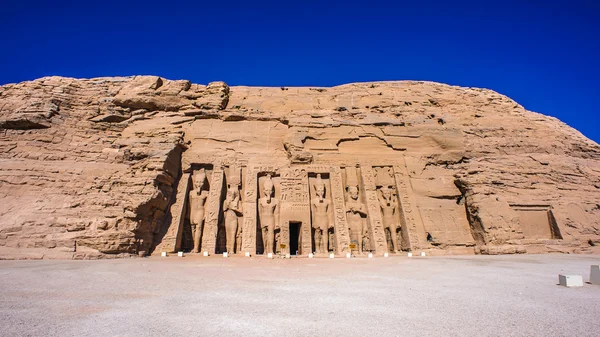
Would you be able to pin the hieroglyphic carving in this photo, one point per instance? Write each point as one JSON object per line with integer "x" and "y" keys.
{"x": 378, "y": 241}
{"x": 295, "y": 206}
{"x": 213, "y": 207}
{"x": 409, "y": 214}
{"x": 339, "y": 211}
{"x": 249, "y": 224}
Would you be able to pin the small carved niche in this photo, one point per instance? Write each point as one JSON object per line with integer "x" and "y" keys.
{"x": 195, "y": 214}
{"x": 389, "y": 205}
{"x": 268, "y": 210}
{"x": 321, "y": 213}
{"x": 229, "y": 234}
{"x": 537, "y": 221}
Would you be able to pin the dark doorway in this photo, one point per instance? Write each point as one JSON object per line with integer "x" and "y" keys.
{"x": 294, "y": 237}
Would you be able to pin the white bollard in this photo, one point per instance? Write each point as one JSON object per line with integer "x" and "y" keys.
{"x": 247, "y": 254}
{"x": 348, "y": 255}
{"x": 310, "y": 256}
{"x": 386, "y": 255}
{"x": 163, "y": 254}
{"x": 595, "y": 275}
{"x": 225, "y": 254}
{"x": 270, "y": 256}
{"x": 205, "y": 253}
{"x": 422, "y": 253}
{"x": 331, "y": 256}
{"x": 180, "y": 254}
{"x": 570, "y": 280}
{"x": 287, "y": 256}
{"x": 370, "y": 255}
{"x": 409, "y": 254}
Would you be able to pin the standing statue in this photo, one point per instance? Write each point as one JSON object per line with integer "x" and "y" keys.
{"x": 232, "y": 211}
{"x": 197, "y": 200}
{"x": 268, "y": 208}
{"x": 356, "y": 214}
{"x": 321, "y": 219}
{"x": 389, "y": 207}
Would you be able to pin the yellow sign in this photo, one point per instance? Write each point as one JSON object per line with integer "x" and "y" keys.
{"x": 282, "y": 246}
{"x": 353, "y": 246}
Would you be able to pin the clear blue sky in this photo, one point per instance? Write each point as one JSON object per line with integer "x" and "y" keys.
{"x": 543, "y": 54}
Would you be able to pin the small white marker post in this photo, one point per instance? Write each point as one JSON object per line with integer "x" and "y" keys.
{"x": 331, "y": 256}
{"x": 422, "y": 253}
{"x": 595, "y": 275}
{"x": 287, "y": 256}
{"x": 409, "y": 254}
{"x": 386, "y": 255}
{"x": 348, "y": 255}
{"x": 310, "y": 255}
{"x": 370, "y": 255}
{"x": 247, "y": 254}
{"x": 205, "y": 254}
{"x": 163, "y": 254}
{"x": 270, "y": 256}
{"x": 570, "y": 280}
{"x": 180, "y": 254}
{"x": 225, "y": 254}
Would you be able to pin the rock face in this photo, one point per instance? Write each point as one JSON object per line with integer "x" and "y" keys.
{"x": 113, "y": 166}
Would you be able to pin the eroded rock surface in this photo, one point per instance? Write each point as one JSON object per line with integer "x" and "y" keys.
{"x": 103, "y": 167}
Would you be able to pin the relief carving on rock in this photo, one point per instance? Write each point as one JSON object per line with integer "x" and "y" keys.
{"x": 268, "y": 209}
{"x": 321, "y": 217}
{"x": 356, "y": 214}
{"x": 197, "y": 203}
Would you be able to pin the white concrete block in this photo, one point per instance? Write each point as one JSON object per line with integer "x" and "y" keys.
{"x": 409, "y": 254}
{"x": 287, "y": 256}
{"x": 331, "y": 256}
{"x": 180, "y": 254}
{"x": 225, "y": 254}
{"x": 310, "y": 255}
{"x": 370, "y": 255}
{"x": 348, "y": 255}
{"x": 163, "y": 254}
{"x": 595, "y": 275}
{"x": 247, "y": 254}
{"x": 270, "y": 256}
{"x": 386, "y": 255}
{"x": 570, "y": 280}
{"x": 422, "y": 253}
{"x": 205, "y": 254}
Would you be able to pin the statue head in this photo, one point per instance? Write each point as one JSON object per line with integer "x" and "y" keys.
{"x": 386, "y": 192}
{"x": 232, "y": 192}
{"x": 268, "y": 187}
{"x": 198, "y": 179}
{"x": 353, "y": 192}
{"x": 319, "y": 187}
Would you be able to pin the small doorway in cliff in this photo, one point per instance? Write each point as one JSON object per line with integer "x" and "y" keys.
{"x": 295, "y": 237}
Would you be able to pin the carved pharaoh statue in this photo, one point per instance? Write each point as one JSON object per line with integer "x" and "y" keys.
{"x": 268, "y": 207}
{"x": 197, "y": 201}
{"x": 321, "y": 223}
{"x": 356, "y": 214}
{"x": 389, "y": 208}
{"x": 232, "y": 211}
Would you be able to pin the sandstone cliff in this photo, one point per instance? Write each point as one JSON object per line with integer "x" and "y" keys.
{"x": 96, "y": 168}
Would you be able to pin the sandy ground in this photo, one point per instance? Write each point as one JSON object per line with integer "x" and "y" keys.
{"x": 214, "y": 296}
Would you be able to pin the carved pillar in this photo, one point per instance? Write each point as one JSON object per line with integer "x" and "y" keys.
{"x": 378, "y": 241}
{"x": 213, "y": 208}
{"x": 250, "y": 216}
{"x": 342, "y": 237}
{"x": 409, "y": 214}
{"x": 171, "y": 242}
